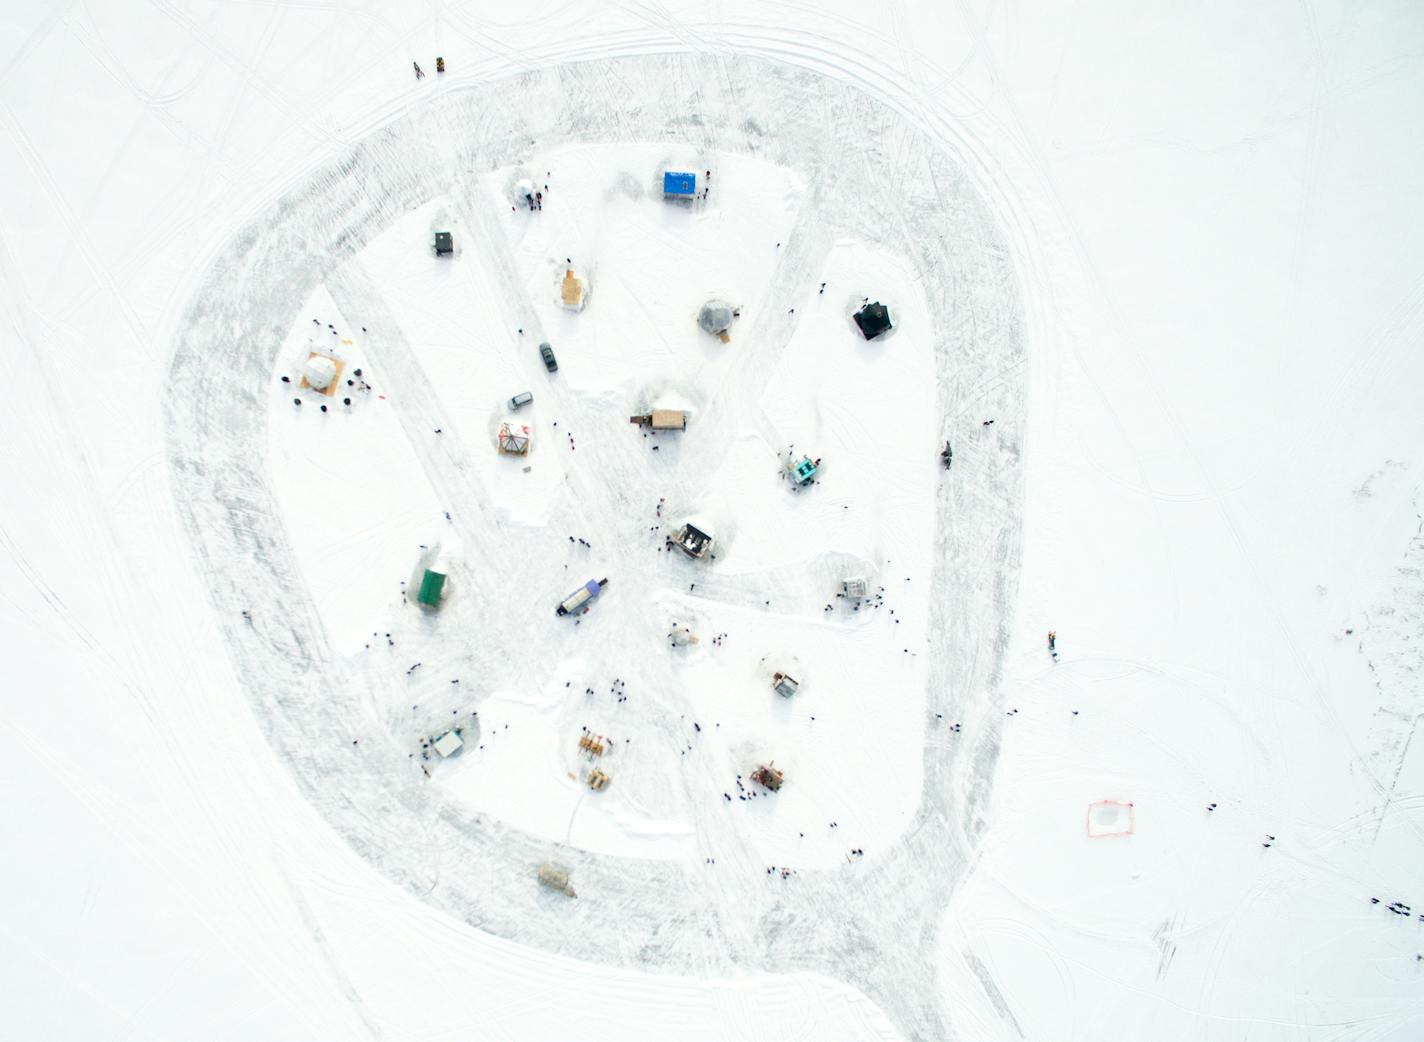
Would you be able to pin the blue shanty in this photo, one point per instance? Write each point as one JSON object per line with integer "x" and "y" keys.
{"x": 679, "y": 184}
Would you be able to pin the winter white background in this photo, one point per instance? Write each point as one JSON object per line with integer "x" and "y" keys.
{"x": 1212, "y": 217}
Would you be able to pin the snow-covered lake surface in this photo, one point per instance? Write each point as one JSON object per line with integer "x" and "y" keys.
{"x": 1174, "y": 256}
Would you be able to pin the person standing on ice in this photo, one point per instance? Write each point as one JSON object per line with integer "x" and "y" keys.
{"x": 1053, "y": 644}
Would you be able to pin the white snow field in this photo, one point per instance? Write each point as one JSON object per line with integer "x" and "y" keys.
{"x": 1174, "y": 254}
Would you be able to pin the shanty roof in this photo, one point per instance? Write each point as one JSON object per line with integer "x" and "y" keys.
{"x": 571, "y": 290}
{"x": 873, "y": 319}
{"x": 679, "y": 183}
{"x": 694, "y": 540}
{"x": 715, "y": 317}
{"x": 513, "y": 439}
{"x": 319, "y": 371}
{"x": 431, "y": 584}
{"x": 448, "y": 744}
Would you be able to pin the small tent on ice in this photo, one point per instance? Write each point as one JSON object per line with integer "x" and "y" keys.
{"x": 513, "y": 439}
{"x": 716, "y": 318}
{"x": 320, "y": 372}
{"x": 873, "y": 320}
{"x": 444, "y": 243}
{"x": 556, "y": 877}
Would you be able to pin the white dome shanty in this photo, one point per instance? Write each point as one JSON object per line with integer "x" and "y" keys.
{"x": 319, "y": 372}
{"x": 715, "y": 317}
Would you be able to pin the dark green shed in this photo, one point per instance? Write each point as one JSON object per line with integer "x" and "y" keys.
{"x": 431, "y": 587}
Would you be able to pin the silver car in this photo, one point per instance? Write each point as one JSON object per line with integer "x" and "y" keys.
{"x": 521, "y": 399}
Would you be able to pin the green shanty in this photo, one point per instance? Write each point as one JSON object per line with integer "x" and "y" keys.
{"x": 430, "y": 588}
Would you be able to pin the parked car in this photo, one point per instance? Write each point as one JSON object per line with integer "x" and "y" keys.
{"x": 521, "y": 399}
{"x": 547, "y": 354}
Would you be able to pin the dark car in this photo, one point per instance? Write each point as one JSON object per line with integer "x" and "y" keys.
{"x": 547, "y": 354}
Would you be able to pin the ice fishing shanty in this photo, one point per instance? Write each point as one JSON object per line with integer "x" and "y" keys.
{"x": 784, "y": 684}
{"x": 448, "y": 744}
{"x": 873, "y": 320}
{"x": 802, "y": 471}
{"x": 432, "y": 588}
{"x": 444, "y": 244}
{"x": 769, "y": 776}
{"x": 556, "y": 877}
{"x": 322, "y": 373}
{"x": 679, "y": 184}
{"x": 581, "y": 598}
{"x": 513, "y": 439}
{"x": 573, "y": 291}
{"x": 662, "y": 420}
{"x": 692, "y": 541}
{"x": 715, "y": 317}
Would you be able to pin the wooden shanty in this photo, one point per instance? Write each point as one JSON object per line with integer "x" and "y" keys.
{"x": 768, "y": 775}
{"x": 662, "y": 420}
{"x": 591, "y": 744}
{"x": 597, "y": 780}
{"x": 573, "y": 291}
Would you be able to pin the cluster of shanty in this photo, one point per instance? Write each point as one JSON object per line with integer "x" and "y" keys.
{"x": 715, "y": 318}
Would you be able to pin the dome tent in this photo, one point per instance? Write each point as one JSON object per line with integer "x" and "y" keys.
{"x": 716, "y": 317}
{"x": 321, "y": 372}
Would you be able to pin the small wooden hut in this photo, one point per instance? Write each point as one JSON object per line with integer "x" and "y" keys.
{"x": 768, "y": 775}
